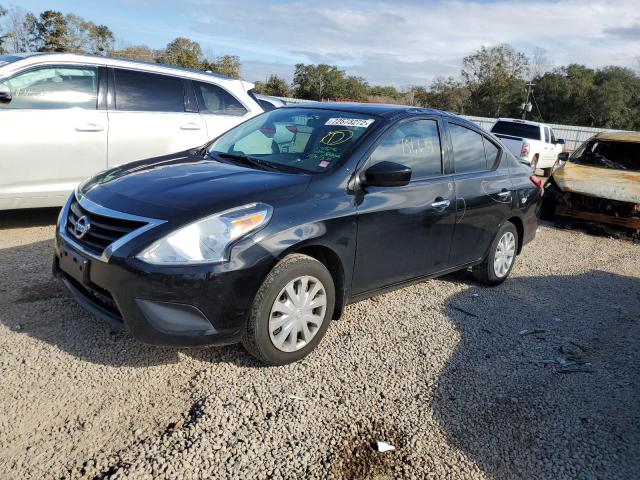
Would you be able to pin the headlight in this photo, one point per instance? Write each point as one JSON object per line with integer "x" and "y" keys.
{"x": 206, "y": 240}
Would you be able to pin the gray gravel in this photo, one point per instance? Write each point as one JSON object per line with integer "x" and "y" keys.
{"x": 536, "y": 378}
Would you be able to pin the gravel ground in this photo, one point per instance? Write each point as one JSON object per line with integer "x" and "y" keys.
{"x": 536, "y": 378}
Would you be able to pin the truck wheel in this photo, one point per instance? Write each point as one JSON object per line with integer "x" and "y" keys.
{"x": 497, "y": 265}
{"x": 548, "y": 171}
{"x": 291, "y": 312}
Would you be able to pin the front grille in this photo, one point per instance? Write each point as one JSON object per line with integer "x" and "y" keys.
{"x": 103, "y": 230}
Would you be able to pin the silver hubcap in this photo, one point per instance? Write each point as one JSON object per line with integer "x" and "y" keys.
{"x": 297, "y": 313}
{"x": 504, "y": 254}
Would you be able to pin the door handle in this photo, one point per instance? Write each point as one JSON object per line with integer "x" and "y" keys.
{"x": 89, "y": 127}
{"x": 190, "y": 126}
{"x": 440, "y": 203}
{"x": 504, "y": 194}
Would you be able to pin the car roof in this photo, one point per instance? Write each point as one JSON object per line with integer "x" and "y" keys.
{"x": 115, "y": 61}
{"x": 385, "y": 110}
{"x": 633, "y": 137}
{"x": 519, "y": 120}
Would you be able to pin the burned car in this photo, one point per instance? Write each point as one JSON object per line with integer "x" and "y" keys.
{"x": 598, "y": 183}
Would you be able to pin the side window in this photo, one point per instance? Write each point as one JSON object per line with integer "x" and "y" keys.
{"x": 216, "y": 100}
{"x": 468, "y": 149}
{"x": 553, "y": 137}
{"x": 53, "y": 87}
{"x": 416, "y": 145}
{"x": 148, "y": 92}
{"x": 547, "y": 137}
{"x": 492, "y": 152}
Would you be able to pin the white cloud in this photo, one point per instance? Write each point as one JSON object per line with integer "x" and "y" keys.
{"x": 403, "y": 43}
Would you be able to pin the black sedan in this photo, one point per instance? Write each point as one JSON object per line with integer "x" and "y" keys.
{"x": 265, "y": 234}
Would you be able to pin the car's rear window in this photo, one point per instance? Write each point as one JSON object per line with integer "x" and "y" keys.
{"x": 603, "y": 154}
{"x": 520, "y": 130}
{"x": 297, "y": 139}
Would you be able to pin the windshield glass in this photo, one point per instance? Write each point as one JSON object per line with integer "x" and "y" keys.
{"x": 603, "y": 154}
{"x": 521, "y": 130}
{"x": 299, "y": 139}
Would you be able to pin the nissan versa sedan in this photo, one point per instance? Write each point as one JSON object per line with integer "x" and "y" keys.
{"x": 265, "y": 234}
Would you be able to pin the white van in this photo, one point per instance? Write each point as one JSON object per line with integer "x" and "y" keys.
{"x": 64, "y": 117}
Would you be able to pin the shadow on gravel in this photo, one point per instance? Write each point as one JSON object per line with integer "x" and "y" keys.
{"x": 33, "y": 303}
{"x": 545, "y": 381}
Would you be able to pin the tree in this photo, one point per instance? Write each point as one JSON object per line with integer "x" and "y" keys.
{"x": 183, "y": 53}
{"x": 3, "y": 36}
{"x": 138, "y": 52}
{"x": 101, "y": 39}
{"x": 275, "y": 85}
{"x": 315, "y": 82}
{"x": 52, "y": 32}
{"x": 495, "y": 79}
{"x": 227, "y": 65}
{"x": 447, "y": 94}
{"x": 354, "y": 88}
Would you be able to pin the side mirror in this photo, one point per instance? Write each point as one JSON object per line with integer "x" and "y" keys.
{"x": 560, "y": 141}
{"x": 5, "y": 93}
{"x": 563, "y": 156}
{"x": 387, "y": 174}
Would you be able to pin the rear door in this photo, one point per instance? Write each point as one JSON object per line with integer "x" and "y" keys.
{"x": 151, "y": 115}
{"x": 405, "y": 232}
{"x": 53, "y": 134}
{"x": 220, "y": 109}
{"x": 483, "y": 193}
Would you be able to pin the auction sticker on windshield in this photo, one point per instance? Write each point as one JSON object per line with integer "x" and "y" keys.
{"x": 350, "y": 122}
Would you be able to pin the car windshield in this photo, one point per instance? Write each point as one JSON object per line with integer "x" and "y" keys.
{"x": 293, "y": 139}
{"x": 513, "y": 129}
{"x": 607, "y": 154}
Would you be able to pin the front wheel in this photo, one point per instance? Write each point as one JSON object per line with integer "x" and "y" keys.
{"x": 291, "y": 312}
{"x": 498, "y": 264}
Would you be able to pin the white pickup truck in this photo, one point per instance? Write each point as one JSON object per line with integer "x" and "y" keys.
{"x": 533, "y": 142}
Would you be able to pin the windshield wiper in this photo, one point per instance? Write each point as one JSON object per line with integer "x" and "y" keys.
{"x": 246, "y": 159}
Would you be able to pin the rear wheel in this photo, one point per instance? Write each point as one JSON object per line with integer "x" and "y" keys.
{"x": 291, "y": 311}
{"x": 498, "y": 264}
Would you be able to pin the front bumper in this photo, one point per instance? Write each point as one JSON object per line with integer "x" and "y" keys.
{"x": 203, "y": 305}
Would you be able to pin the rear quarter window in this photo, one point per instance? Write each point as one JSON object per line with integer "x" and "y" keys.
{"x": 216, "y": 100}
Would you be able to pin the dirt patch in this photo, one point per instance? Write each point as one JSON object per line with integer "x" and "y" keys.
{"x": 359, "y": 457}
{"x": 41, "y": 291}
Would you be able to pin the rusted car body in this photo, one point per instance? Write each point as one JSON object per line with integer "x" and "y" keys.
{"x": 599, "y": 182}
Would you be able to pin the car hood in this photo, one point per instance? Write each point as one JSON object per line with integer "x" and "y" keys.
{"x": 168, "y": 186}
{"x": 620, "y": 185}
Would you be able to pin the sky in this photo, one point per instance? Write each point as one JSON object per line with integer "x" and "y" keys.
{"x": 388, "y": 42}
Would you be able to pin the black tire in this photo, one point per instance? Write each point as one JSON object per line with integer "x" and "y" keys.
{"x": 484, "y": 272}
{"x": 256, "y": 338}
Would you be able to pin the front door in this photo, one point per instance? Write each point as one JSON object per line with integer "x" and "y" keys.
{"x": 52, "y": 136}
{"x": 405, "y": 232}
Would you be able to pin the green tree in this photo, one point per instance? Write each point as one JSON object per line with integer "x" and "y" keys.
{"x": 354, "y": 88}
{"x": 275, "y": 85}
{"x": 138, "y": 52}
{"x": 447, "y": 94}
{"x": 227, "y": 65}
{"x": 316, "y": 82}
{"x": 52, "y": 32}
{"x": 183, "y": 52}
{"x": 385, "y": 92}
{"x": 494, "y": 78}
{"x": 101, "y": 39}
